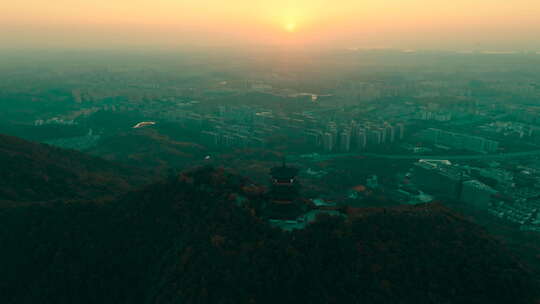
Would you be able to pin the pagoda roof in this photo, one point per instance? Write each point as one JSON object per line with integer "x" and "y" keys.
{"x": 284, "y": 172}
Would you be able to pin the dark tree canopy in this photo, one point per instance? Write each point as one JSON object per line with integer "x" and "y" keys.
{"x": 185, "y": 240}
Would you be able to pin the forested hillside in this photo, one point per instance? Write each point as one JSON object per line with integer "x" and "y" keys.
{"x": 185, "y": 240}
{"x": 32, "y": 172}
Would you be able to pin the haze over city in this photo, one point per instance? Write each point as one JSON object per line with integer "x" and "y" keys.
{"x": 485, "y": 25}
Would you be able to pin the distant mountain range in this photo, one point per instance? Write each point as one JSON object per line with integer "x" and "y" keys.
{"x": 186, "y": 239}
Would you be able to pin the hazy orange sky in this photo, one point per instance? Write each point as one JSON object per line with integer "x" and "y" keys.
{"x": 418, "y": 24}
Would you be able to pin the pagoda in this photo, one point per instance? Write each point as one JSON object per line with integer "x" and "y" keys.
{"x": 284, "y": 185}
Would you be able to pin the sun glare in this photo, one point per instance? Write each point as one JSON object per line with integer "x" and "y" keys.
{"x": 290, "y": 27}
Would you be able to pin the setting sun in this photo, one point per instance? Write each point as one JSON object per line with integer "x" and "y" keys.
{"x": 290, "y": 27}
{"x": 410, "y": 24}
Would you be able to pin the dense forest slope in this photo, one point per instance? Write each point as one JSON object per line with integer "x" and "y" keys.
{"x": 186, "y": 240}
{"x": 38, "y": 172}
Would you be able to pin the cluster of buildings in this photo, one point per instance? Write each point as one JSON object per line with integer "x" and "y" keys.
{"x": 512, "y": 129}
{"x": 434, "y": 115}
{"x": 354, "y": 136}
{"x": 245, "y": 126}
{"x": 526, "y": 113}
{"x": 438, "y": 177}
{"x": 504, "y": 197}
{"x": 53, "y": 121}
{"x": 227, "y": 138}
{"x": 459, "y": 141}
{"x": 524, "y": 213}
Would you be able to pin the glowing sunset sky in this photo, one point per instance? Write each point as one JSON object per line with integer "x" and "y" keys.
{"x": 431, "y": 24}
